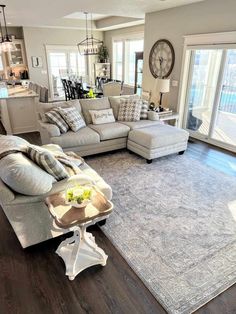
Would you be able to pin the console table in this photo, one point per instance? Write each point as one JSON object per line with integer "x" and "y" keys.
{"x": 80, "y": 251}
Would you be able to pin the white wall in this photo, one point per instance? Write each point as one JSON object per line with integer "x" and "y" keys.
{"x": 37, "y": 38}
{"x": 204, "y": 17}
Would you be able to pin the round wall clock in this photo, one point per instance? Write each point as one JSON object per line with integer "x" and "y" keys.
{"x": 161, "y": 59}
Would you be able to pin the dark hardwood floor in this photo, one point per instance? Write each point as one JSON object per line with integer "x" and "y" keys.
{"x": 33, "y": 280}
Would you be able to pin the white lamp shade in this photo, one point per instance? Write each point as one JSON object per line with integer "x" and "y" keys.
{"x": 162, "y": 85}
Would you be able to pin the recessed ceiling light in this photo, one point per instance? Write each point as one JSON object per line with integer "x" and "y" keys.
{"x": 9, "y": 23}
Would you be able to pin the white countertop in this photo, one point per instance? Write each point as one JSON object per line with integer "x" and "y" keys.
{"x": 16, "y": 92}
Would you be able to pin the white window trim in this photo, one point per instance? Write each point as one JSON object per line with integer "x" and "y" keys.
{"x": 123, "y": 38}
{"x": 200, "y": 40}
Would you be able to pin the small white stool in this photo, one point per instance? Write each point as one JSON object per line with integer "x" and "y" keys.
{"x": 79, "y": 251}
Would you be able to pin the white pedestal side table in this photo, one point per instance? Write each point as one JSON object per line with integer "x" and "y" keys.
{"x": 80, "y": 251}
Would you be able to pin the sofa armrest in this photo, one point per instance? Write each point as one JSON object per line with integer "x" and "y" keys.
{"x": 48, "y": 130}
{"x": 6, "y": 195}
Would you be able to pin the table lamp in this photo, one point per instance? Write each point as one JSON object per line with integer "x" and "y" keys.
{"x": 163, "y": 87}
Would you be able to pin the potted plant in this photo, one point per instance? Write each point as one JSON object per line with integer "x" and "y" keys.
{"x": 103, "y": 55}
{"x": 79, "y": 195}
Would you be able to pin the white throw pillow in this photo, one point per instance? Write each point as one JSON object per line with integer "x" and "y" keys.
{"x": 23, "y": 176}
{"x": 102, "y": 116}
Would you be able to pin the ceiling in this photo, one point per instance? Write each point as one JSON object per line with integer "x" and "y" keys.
{"x": 61, "y": 13}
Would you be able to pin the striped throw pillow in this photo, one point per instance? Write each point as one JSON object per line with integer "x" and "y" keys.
{"x": 72, "y": 118}
{"x": 144, "y": 110}
{"x": 53, "y": 116}
{"x": 129, "y": 110}
{"x": 45, "y": 160}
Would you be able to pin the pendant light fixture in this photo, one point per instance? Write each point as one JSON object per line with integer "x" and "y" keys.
{"x": 6, "y": 43}
{"x": 90, "y": 45}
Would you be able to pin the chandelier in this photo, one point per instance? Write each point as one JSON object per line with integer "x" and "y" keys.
{"x": 90, "y": 45}
{"x": 6, "y": 43}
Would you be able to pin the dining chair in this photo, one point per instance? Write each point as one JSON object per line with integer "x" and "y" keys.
{"x": 30, "y": 85}
{"x": 112, "y": 89}
{"x": 71, "y": 89}
{"x": 43, "y": 95}
{"x": 80, "y": 92}
{"x": 38, "y": 88}
{"x": 66, "y": 89}
{"x": 34, "y": 87}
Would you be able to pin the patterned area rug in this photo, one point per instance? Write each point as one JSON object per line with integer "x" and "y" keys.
{"x": 174, "y": 222}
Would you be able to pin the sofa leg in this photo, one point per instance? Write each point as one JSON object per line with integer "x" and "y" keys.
{"x": 102, "y": 222}
{"x": 181, "y": 153}
{"x": 149, "y": 161}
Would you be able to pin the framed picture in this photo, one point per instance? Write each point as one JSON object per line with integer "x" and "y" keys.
{"x": 37, "y": 62}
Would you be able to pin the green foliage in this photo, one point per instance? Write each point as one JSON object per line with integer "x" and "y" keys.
{"x": 103, "y": 54}
{"x": 78, "y": 194}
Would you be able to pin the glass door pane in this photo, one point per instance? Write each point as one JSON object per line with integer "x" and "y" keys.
{"x": 202, "y": 84}
{"x": 58, "y": 70}
{"x": 225, "y": 125}
{"x": 131, "y": 46}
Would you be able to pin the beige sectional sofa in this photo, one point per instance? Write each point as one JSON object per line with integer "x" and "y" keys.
{"x": 93, "y": 138}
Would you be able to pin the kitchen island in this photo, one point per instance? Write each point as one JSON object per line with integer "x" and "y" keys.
{"x": 18, "y": 109}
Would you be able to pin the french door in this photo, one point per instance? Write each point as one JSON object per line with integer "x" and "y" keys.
{"x": 210, "y": 108}
{"x": 63, "y": 62}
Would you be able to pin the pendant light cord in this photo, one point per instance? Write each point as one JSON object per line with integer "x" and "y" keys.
{"x": 1, "y": 30}
{"x": 4, "y": 18}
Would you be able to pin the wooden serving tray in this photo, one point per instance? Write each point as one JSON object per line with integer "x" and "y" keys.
{"x": 67, "y": 216}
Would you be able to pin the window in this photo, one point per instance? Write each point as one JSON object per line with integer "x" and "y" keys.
{"x": 210, "y": 93}
{"x": 64, "y": 62}
{"x": 118, "y": 60}
{"x": 124, "y": 58}
{"x": 1, "y": 64}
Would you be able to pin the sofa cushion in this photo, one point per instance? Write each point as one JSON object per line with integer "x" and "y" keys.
{"x": 110, "y": 131}
{"x": 140, "y": 124}
{"x": 115, "y": 102}
{"x": 158, "y": 136}
{"x": 73, "y": 118}
{"x": 54, "y": 117}
{"x": 93, "y": 104}
{"x": 24, "y": 176}
{"x": 85, "y": 136}
{"x": 45, "y": 107}
{"x": 46, "y": 160}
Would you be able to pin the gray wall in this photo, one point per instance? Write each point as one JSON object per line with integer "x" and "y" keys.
{"x": 209, "y": 16}
{"x": 37, "y": 38}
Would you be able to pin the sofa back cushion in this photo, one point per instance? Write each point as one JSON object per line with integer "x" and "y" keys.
{"x": 45, "y": 107}
{"x": 23, "y": 176}
{"x": 93, "y": 104}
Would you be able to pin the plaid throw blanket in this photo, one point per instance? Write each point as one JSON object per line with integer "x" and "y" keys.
{"x": 12, "y": 145}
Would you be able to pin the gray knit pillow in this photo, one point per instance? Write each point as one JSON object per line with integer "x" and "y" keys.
{"x": 72, "y": 118}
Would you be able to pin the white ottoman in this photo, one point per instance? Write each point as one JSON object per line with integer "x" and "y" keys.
{"x": 157, "y": 141}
